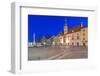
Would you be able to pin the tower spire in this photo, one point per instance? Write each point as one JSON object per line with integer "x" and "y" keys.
{"x": 65, "y": 26}
{"x": 65, "y": 22}
{"x": 81, "y": 24}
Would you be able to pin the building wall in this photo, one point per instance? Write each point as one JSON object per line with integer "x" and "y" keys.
{"x": 72, "y": 39}
{"x": 61, "y": 39}
{"x": 75, "y": 37}
{"x": 84, "y": 36}
{"x": 79, "y": 38}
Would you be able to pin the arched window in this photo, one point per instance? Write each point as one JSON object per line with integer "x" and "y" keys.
{"x": 72, "y": 43}
{"x": 72, "y": 37}
{"x": 84, "y": 44}
{"x": 78, "y": 36}
{"x": 77, "y": 43}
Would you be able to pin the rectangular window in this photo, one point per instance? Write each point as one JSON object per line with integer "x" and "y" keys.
{"x": 72, "y": 38}
{"x": 77, "y": 37}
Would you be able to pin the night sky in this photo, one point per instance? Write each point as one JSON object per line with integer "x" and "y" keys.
{"x": 43, "y": 25}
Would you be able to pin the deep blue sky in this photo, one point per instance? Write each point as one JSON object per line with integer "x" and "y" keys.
{"x": 43, "y": 25}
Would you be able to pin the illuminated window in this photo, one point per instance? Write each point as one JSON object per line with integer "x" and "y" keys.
{"x": 83, "y": 38}
{"x": 83, "y": 29}
{"x": 77, "y": 43}
{"x": 78, "y": 36}
{"x": 83, "y": 34}
{"x": 72, "y": 43}
{"x": 72, "y": 37}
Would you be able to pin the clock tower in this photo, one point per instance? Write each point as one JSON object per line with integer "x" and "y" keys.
{"x": 65, "y": 27}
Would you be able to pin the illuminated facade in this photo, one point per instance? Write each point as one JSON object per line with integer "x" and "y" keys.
{"x": 77, "y": 36}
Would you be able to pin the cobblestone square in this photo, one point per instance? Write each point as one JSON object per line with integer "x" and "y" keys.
{"x": 57, "y": 52}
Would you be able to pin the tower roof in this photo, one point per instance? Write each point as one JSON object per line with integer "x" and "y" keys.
{"x": 65, "y": 22}
{"x": 81, "y": 24}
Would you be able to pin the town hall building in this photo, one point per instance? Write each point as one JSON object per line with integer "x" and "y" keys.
{"x": 77, "y": 36}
